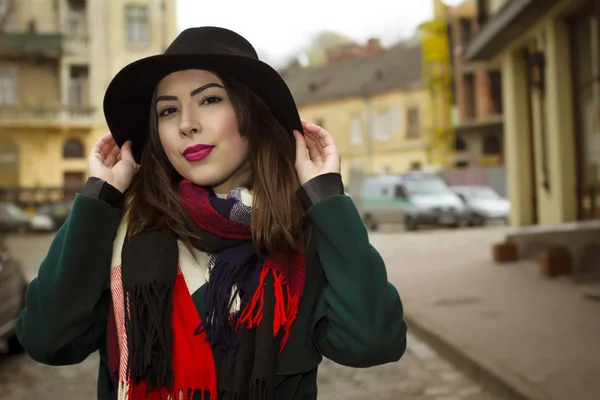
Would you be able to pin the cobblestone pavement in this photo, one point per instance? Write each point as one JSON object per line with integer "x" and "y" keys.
{"x": 421, "y": 374}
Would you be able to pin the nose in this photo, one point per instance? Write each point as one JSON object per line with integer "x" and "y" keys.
{"x": 189, "y": 125}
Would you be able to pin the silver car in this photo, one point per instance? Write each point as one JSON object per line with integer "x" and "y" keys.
{"x": 484, "y": 203}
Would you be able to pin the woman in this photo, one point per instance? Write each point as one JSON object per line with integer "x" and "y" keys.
{"x": 212, "y": 252}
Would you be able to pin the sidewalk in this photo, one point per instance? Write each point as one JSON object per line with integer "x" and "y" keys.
{"x": 534, "y": 337}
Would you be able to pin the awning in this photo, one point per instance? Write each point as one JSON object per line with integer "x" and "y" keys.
{"x": 506, "y": 26}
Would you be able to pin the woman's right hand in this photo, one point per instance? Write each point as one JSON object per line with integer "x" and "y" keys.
{"x": 112, "y": 164}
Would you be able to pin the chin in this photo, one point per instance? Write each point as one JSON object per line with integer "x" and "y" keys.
{"x": 203, "y": 177}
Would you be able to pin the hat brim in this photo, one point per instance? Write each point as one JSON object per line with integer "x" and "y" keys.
{"x": 127, "y": 101}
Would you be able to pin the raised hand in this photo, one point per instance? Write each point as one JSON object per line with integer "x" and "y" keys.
{"x": 113, "y": 164}
{"x": 316, "y": 153}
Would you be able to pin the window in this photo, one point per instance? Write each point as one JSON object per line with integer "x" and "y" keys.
{"x": 496, "y": 91}
{"x": 73, "y": 148}
{"x": 491, "y": 144}
{"x": 460, "y": 144}
{"x": 8, "y": 85}
{"x": 383, "y": 126}
{"x": 75, "y": 22}
{"x": 469, "y": 97}
{"x": 137, "y": 24}
{"x": 397, "y": 119}
{"x": 78, "y": 83}
{"x": 425, "y": 187}
{"x": 413, "y": 126}
{"x": 415, "y": 165}
{"x": 356, "y": 135}
{"x": 466, "y": 31}
{"x": 400, "y": 193}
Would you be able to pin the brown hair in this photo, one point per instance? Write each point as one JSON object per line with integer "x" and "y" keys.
{"x": 277, "y": 215}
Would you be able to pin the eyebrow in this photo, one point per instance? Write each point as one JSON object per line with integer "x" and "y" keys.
{"x": 192, "y": 93}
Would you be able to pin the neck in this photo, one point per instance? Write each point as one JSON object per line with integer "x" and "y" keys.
{"x": 239, "y": 178}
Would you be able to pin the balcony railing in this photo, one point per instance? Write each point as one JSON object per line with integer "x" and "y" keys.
{"x": 15, "y": 44}
{"x": 76, "y": 45}
{"x": 46, "y": 114}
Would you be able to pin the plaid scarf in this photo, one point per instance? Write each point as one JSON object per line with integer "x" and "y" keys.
{"x": 169, "y": 348}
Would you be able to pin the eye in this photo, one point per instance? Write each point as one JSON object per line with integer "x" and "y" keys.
{"x": 167, "y": 111}
{"x": 211, "y": 100}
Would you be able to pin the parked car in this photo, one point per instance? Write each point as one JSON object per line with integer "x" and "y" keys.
{"x": 14, "y": 219}
{"x": 13, "y": 285}
{"x": 59, "y": 212}
{"x": 413, "y": 198}
{"x": 484, "y": 203}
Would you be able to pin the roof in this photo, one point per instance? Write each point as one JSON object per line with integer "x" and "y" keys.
{"x": 396, "y": 68}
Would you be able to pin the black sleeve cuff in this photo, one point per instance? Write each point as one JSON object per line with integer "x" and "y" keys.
{"x": 100, "y": 189}
{"x": 319, "y": 188}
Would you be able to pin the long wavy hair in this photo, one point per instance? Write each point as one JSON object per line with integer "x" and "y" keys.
{"x": 152, "y": 201}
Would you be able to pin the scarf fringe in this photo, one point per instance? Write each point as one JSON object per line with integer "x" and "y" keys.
{"x": 132, "y": 391}
{"x": 149, "y": 341}
{"x": 286, "y": 306}
{"x": 260, "y": 390}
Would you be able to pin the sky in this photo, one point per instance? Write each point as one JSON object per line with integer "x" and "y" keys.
{"x": 281, "y": 29}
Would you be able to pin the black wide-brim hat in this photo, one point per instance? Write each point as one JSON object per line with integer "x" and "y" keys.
{"x": 127, "y": 101}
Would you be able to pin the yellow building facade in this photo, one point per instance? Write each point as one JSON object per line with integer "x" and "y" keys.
{"x": 364, "y": 143}
{"x": 551, "y": 105}
{"x": 56, "y": 60}
{"x": 375, "y": 108}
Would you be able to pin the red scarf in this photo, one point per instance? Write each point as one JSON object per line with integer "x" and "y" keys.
{"x": 170, "y": 345}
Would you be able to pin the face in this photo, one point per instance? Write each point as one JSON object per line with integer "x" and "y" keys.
{"x": 198, "y": 129}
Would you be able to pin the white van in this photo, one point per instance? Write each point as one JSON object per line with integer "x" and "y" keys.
{"x": 413, "y": 198}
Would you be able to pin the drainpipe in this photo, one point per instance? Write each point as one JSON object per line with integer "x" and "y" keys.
{"x": 369, "y": 122}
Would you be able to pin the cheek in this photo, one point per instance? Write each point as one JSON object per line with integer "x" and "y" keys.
{"x": 237, "y": 145}
{"x": 168, "y": 141}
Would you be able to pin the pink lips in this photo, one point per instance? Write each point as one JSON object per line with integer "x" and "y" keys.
{"x": 197, "y": 152}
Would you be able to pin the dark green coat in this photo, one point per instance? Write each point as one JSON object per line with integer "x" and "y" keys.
{"x": 349, "y": 313}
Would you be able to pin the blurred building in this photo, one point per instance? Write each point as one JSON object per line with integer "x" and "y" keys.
{"x": 56, "y": 60}
{"x": 326, "y": 44}
{"x": 373, "y": 103}
{"x": 477, "y": 95}
{"x": 548, "y": 52}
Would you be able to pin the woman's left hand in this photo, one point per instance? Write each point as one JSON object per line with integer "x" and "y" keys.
{"x": 316, "y": 153}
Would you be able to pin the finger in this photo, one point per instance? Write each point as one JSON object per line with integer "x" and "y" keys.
{"x": 102, "y": 142}
{"x": 314, "y": 147}
{"x": 316, "y": 129}
{"x": 106, "y": 148}
{"x": 111, "y": 157}
{"x": 324, "y": 138}
{"x": 126, "y": 154}
{"x": 301, "y": 148}
{"x": 310, "y": 127}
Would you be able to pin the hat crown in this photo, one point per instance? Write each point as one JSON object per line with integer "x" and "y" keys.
{"x": 209, "y": 39}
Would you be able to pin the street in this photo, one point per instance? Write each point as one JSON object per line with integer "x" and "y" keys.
{"x": 421, "y": 374}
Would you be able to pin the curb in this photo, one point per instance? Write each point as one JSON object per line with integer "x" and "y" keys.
{"x": 483, "y": 368}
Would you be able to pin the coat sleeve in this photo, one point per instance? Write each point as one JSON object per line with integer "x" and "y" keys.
{"x": 358, "y": 321}
{"x": 66, "y": 311}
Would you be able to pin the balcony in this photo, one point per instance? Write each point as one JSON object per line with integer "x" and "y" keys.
{"x": 76, "y": 45}
{"x": 46, "y": 116}
{"x": 33, "y": 44}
